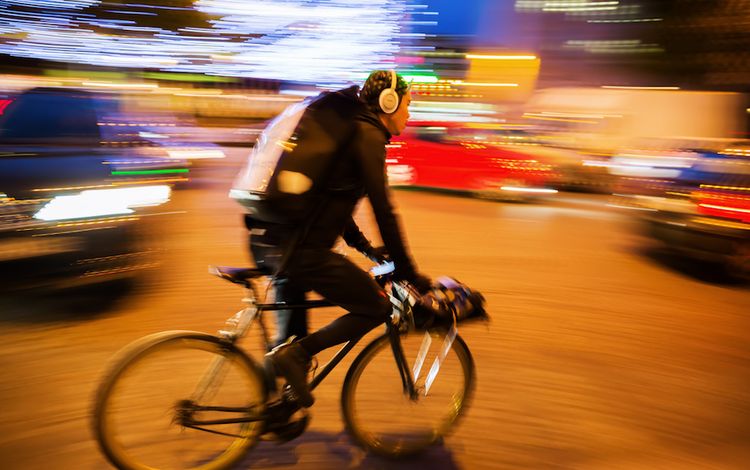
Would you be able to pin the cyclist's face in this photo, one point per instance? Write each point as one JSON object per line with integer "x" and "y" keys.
{"x": 396, "y": 122}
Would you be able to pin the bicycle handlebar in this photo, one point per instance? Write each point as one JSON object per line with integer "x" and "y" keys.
{"x": 383, "y": 269}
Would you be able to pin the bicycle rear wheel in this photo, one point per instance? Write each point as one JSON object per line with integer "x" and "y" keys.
{"x": 378, "y": 412}
{"x": 142, "y": 404}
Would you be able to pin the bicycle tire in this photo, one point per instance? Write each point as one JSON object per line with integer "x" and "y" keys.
{"x": 147, "y": 371}
{"x": 374, "y": 405}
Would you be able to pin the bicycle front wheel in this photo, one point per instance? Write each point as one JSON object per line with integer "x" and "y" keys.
{"x": 379, "y": 413}
{"x": 165, "y": 386}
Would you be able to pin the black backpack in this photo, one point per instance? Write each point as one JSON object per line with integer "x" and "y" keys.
{"x": 286, "y": 173}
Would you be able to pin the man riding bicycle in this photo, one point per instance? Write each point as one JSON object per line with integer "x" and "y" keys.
{"x": 381, "y": 110}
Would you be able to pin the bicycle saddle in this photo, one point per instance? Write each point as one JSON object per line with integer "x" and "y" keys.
{"x": 237, "y": 275}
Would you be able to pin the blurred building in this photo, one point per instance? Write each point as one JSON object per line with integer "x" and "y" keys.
{"x": 692, "y": 44}
{"x": 707, "y": 44}
{"x": 330, "y": 43}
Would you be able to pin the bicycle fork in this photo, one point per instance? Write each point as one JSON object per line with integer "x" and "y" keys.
{"x": 409, "y": 378}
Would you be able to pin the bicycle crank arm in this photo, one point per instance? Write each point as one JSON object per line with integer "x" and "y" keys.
{"x": 194, "y": 423}
{"x": 212, "y": 431}
{"x": 230, "y": 409}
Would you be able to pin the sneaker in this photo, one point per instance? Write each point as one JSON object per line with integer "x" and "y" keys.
{"x": 292, "y": 362}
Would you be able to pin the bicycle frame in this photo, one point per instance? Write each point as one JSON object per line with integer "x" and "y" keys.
{"x": 242, "y": 321}
{"x": 391, "y": 332}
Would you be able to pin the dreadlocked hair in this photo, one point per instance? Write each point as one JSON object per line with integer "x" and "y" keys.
{"x": 378, "y": 81}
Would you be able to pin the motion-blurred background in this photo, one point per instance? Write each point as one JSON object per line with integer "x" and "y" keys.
{"x": 584, "y": 163}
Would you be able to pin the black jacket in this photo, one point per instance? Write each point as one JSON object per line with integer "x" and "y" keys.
{"x": 358, "y": 171}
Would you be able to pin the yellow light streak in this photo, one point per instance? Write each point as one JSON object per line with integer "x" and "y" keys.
{"x": 461, "y": 82}
{"x": 501, "y": 57}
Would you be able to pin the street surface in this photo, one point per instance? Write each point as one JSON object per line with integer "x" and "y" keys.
{"x": 602, "y": 353}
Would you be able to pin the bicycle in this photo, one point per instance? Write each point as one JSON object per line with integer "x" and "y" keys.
{"x": 211, "y": 402}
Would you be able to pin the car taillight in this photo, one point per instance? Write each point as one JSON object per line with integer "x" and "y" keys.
{"x": 4, "y": 104}
{"x": 725, "y": 204}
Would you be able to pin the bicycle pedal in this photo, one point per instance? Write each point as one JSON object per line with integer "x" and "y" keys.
{"x": 289, "y": 397}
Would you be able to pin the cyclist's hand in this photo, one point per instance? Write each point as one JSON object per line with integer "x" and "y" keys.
{"x": 421, "y": 283}
{"x": 377, "y": 254}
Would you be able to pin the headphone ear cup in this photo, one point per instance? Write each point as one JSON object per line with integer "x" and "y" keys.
{"x": 388, "y": 101}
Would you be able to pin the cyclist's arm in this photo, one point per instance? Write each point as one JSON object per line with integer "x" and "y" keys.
{"x": 354, "y": 237}
{"x": 370, "y": 152}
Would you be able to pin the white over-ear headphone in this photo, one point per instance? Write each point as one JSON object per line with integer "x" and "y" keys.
{"x": 388, "y": 99}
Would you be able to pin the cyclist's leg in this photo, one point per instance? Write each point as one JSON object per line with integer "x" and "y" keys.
{"x": 289, "y": 322}
{"x": 343, "y": 283}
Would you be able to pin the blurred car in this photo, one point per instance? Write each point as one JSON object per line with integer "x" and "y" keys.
{"x": 75, "y": 184}
{"x": 697, "y": 203}
{"x": 575, "y": 169}
{"x": 460, "y": 158}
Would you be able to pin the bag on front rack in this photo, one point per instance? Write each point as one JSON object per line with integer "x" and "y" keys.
{"x": 449, "y": 300}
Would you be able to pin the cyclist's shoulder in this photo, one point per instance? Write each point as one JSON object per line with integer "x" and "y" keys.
{"x": 370, "y": 131}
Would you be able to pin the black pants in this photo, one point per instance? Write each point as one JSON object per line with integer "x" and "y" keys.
{"x": 289, "y": 322}
{"x": 338, "y": 280}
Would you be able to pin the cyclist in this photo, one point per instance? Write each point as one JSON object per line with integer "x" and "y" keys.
{"x": 314, "y": 265}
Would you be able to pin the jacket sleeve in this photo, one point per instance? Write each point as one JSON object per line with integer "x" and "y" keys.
{"x": 370, "y": 151}
{"x": 354, "y": 237}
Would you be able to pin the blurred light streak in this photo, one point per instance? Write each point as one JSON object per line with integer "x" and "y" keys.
{"x": 149, "y": 172}
{"x": 59, "y": 4}
{"x": 618, "y": 206}
{"x": 725, "y": 208}
{"x": 572, "y": 115}
{"x": 446, "y": 106}
{"x": 728, "y": 188}
{"x": 521, "y": 189}
{"x": 102, "y": 202}
{"x": 620, "y": 46}
{"x": 451, "y": 117}
{"x": 420, "y": 78}
{"x": 634, "y": 20}
{"x": 461, "y": 82}
{"x": 121, "y": 85}
{"x": 544, "y": 118}
{"x": 721, "y": 223}
{"x": 624, "y": 87}
{"x": 300, "y": 93}
{"x": 195, "y": 154}
{"x": 132, "y": 13}
{"x": 333, "y": 41}
{"x": 158, "y": 7}
{"x": 501, "y": 57}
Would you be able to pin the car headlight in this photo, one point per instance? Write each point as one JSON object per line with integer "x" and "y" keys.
{"x": 103, "y": 202}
